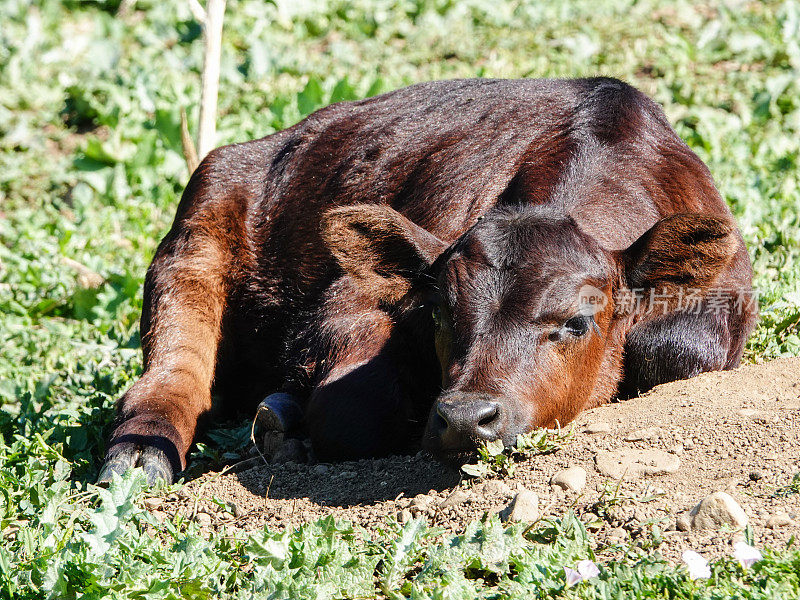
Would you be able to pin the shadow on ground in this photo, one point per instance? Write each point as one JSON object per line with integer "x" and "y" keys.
{"x": 350, "y": 483}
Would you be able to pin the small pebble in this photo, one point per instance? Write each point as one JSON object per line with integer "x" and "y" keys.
{"x": 523, "y": 508}
{"x": 457, "y": 497}
{"x": 641, "y": 435}
{"x": 592, "y": 521}
{"x": 320, "y": 469}
{"x": 594, "y": 428}
{"x": 153, "y": 503}
{"x": 632, "y": 463}
{"x": 776, "y": 521}
{"x": 160, "y": 516}
{"x": 717, "y": 510}
{"x": 235, "y": 509}
{"x": 617, "y": 534}
{"x": 495, "y": 487}
{"x": 421, "y": 501}
{"x": 683, "y": 522}
{"x": 572, "y": 479}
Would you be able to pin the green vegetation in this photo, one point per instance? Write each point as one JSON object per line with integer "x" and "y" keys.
{"x": 91, "y": 172}
{"x": 495, "y": 459}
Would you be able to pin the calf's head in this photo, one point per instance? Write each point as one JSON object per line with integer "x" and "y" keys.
{"x": 522, "y": 305}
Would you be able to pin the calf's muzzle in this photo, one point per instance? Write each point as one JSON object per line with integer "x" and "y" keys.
{"x": 463, "y": 420}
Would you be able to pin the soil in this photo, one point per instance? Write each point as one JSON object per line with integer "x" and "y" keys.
{"x": 735, "y": 431}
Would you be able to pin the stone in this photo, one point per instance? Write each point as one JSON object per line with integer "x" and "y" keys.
{"x": 592, "y": 521}
{"x": 748, "y": 412}
{"x": 776, "y": 521}
{"x": 203, "y": 519}
{"x": 457, "y": 497}
{"x": 572, "y": 479}
{"x": 320, "y": 469}
{"x": 718, "y": 510}
{"x": 523, "y": 508}
{"x": 421, "y": 501}
{"x": 634, "y": 463}
{"x": 595, "y": 428}
{"x": 641, "y": 435}
{"x": 160, "y": 515}
{"x": 153, "y": 503}
{"x": 235, "y": 509}
{"x": 404, "y": 516}
{"x": 495, "y": 487}
{"x": 618, "y": 534}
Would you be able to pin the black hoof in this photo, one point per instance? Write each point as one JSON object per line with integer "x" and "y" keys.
{"x": 292, "y": 450}
{"x": 279, "y": 412}
{"x": 154, "y": 462}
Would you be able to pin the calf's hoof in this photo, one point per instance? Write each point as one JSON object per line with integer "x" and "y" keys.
{"x": 155, "y": 463}
{"x": 279, "y": 412}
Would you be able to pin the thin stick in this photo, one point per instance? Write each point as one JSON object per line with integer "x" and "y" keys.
{"x": 198, "y": 12}
{"x": 212, "y": 31}
{"x": 189, "y": 151}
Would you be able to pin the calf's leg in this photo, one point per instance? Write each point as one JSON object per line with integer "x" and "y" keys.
{"x": 680, "y": 345}
{"x": 185, "y": 295}
{"x": 360, "y": 412}
{"x": 157, "y": 416}
{"x": 374, "y": 397}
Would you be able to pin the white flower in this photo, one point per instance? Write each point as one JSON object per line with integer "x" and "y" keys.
{"x": 573, "y": 576}
{"x": 698, "y": 566}
{"x": 588, "y": 569}
{"x": 746, "y": 554}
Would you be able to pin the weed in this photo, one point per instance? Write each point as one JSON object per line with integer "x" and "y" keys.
{"x": 497, "y": 460}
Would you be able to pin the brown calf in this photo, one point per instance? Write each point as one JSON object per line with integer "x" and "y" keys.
{"x": 447, "y": 263}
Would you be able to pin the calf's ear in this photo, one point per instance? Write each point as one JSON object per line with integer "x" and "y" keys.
{"x": 688, "y": 250}
{"x": 380, "y": 248}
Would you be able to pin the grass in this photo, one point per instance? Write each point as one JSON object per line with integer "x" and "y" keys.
{"x": 91, "y": 172}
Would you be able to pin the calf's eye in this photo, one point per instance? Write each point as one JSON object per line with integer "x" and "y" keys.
{"x": 436, "y": 314}
{"x": 578, "y": 326}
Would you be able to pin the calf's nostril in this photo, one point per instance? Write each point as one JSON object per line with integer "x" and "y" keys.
{"x": 487, "y": 415}
{"x": 439, "y": 423}
{"x": 463, "y": 421}
{"x": 489, "y": 422}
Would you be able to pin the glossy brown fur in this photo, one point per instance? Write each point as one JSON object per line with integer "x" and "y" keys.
{"x": 245, "y": 297}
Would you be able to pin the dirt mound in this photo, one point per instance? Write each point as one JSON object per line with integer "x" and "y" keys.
{"x": 648, "y": 461}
